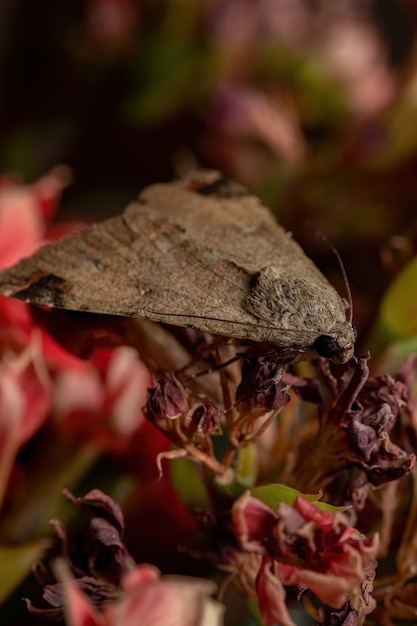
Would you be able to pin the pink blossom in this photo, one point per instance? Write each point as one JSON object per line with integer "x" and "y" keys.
{"x": 23, "y": 209}
{"x": 109, "y": 389}
{"x": 355, "y": 55}
{"x": 103, "y": 398}
{"x": 24, "y": 403}
{"x": 246, "y": 112}
{"x": 146, "y": 598}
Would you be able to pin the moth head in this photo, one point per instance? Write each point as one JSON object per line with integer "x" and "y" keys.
{"x": 338, "y": 346}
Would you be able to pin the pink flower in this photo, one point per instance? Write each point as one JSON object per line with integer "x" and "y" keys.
{"x": 242, "y": 111}
{"x": 23, "y": 210}
{"x": 25, "y": 395}
{"x": 308, "y": 547}
{"x": 103, "y": 398}
{"x": 146, "y": 598}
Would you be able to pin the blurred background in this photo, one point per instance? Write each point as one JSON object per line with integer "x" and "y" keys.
{"x": 311, "y": 104}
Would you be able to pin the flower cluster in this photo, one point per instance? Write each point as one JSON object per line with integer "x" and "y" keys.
{"x": 95, "y": 401}
{"x": 247, "y": 409}
{"x": 72, "y": 389}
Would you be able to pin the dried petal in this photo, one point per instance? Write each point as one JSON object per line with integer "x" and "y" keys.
{"x": 98, "y": 558}
{"x": 271, "y": 595}
{"x": 145, "y": 598}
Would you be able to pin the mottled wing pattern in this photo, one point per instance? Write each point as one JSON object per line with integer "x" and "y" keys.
{"x": 185, "y": 254}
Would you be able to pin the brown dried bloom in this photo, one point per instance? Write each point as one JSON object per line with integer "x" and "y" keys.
{"x": 184, "y": 419}
{"x": 305, "y": 546}
{"x": 352, "y": 446}
{"x": 190, "y": 419}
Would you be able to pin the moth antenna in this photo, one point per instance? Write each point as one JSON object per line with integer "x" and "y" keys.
{"x": 343, "y": 272}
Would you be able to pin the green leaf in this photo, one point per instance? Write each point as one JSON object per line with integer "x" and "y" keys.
{"x": 397, "y": 322}
{"x": 255, "y": 613}
{"x": 399, "y": 305}
{"x": 188, "y": 483}
{"x": 274, "y": 494}
{"x": 16, "y": 563}
{"x": 172, "y": 69}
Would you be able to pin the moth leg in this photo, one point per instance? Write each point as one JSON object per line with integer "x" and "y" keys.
{"x": 203, "y": 353}
{"x": 215, "y": 368}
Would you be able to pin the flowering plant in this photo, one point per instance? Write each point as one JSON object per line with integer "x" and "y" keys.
{"x": 236, "y": 481}
{"x": 146, "y": 475}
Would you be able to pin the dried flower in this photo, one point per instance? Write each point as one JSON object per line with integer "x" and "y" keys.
{"x": 95, "y": 580}
{"x": 260, "y": 396}
{"x": 304, "y": 546}
{"x": 352, "y": 445}
{"x": 166, "y": 400}
{"x": 98, "y": 558}
{"x": 145, "y": 598}
{"x": 185, "y": 419}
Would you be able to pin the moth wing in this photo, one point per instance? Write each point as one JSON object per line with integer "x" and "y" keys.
{"x": 182, "y": 255}
{"x": 288, "y": 295}
{"x": 232, "y": 222}
{"x": 141, "y": 264}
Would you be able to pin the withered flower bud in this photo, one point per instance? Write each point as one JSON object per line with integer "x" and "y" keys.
{"x": 166, "y": 400}
{"x": 260, "y": 385}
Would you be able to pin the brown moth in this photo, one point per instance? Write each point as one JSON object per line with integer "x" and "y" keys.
{"x": 201, "y": 253}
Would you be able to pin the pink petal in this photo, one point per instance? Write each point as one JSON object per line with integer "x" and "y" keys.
{"x": 21, "y": 226}
{"x": 23, "y": 209}
{"x": 328, "y": 522}
{"x": 271, "y": 595}
{"x": 48, "y": 189}
{"x": 78, "y": 610}
{"x": 126, "y": 383}
{"x": 142, "y": 573}
{"x": 78, "y": 390}
{"x": 253, "y": 521}
{"x": 170, "y": 601}
{"x": 24, "y": 404}
{"x": 330, "y": 589}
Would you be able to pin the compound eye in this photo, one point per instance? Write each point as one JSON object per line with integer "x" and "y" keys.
{"x": 326, "y": 347}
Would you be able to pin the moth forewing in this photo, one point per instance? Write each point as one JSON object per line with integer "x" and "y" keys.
{"x": 199, "y": 252}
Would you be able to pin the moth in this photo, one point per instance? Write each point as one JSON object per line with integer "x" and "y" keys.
{"x": 200, "y": 252}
